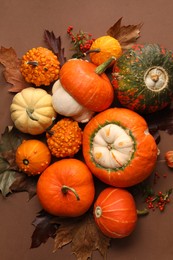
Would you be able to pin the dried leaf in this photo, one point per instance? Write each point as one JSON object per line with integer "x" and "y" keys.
{"x": 7, "y": 177}
{"x": 55, "y": 44}
{"x": 12, "y": 74}
{"x": 26, "y": 183}
{"x": 126, "y": 35}
{"x": 44, "y": 228}
{"x": 83, "y": 235}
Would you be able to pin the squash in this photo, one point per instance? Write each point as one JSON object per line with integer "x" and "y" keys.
{"x": 32, "y": 111}
{"x": 66, "y": 105}
{"x": 115, "y": 212}
{"x": 103, "y": 48}
{"x": 66, "y": 188}
{"x": 87, "y": 84}
{"x": 118, "y": 148}
{"x": 40, "y": 66}
{"x": 64, "y": 139}
{"x": 32, "y": 157}
{"x": 143, "y": 78}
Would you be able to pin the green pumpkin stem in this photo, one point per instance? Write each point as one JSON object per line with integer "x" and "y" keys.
{"x": 29, "y": 112}
{"x": 142, "y": 212}
{"x": 90, "y": 51}
{"x": 102, "y": 67}
{"x": 65, "y": 189}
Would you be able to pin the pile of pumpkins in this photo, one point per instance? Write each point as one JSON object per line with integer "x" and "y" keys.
{"x": 116, "y": 144}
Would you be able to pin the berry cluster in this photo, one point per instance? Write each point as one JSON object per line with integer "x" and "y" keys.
{"x": 159, "y": 200}
{"x": 81, "y": 41}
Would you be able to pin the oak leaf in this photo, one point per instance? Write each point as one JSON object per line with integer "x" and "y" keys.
{"x": 126, "y": 35}
{"x": 12, "y": 74}
{"x": 83, "y": 235}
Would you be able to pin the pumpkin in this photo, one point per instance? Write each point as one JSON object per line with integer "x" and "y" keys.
{"x": 64, "y": 139}
{"x": 32, "y": 111}
{"x": 66, "y": 188}
{"x": 87, "y": 84}
{"x": 115, "y": 212}
{"x": 66, "y": 105}
{"x": 104, "y": 48}
{"x": 143, "y": 78}
{"x": 118, "y": 148}
{"x": 40, "y": 66}
{"x": 32, "y": 157}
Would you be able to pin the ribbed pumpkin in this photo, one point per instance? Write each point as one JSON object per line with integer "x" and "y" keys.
{"x": 32, "y": 111}
{"x": 64, "y": 139}
{"x": 40, "y": 66}
{"x": 106, "y": 47}
{"x": 143, "y": 78}
{"x": 66, "y": 188}
{"x": 118, "y": 148}
{"x": 33, "y": 157}
{"x": 115, "y": 212}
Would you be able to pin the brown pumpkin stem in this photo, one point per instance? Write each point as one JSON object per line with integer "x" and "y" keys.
{"x": 65, "y": 189}
{"x": 102, "y": 67}
{"x": 33, "y": 63}
{"x": 142, "y": 212}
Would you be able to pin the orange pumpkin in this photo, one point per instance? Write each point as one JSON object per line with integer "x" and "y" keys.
{"x": 115, "y": 212}
{"x": 118, "y": 148}
{"x": 33, "y": 157}
{"x": 66, "y": 188}
{"x": 108, "y": 47}
{"x": 87, "y": 84}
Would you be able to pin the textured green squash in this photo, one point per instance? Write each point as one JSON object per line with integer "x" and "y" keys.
{"x": 143, "y": 78}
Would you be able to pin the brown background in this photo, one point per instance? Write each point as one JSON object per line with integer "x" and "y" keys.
{"x": 22, "y": 24}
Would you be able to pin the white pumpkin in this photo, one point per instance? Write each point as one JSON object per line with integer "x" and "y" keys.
{"x": 64, "y": 104}
{"x": 32, "y": 111}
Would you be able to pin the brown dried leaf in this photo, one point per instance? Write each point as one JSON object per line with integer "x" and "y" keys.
{"x": 126, "y": 35}
{"x": 55, "y": 44}
{"x": 84, "y": 237}
{"x": 26, "y": 183}
{"x": 12, "y": 74}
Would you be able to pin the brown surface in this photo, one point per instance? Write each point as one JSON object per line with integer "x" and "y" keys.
{"x": 21, "y": 26}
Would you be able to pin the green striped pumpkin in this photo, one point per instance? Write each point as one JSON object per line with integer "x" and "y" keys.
{"x": 143, "y": 78}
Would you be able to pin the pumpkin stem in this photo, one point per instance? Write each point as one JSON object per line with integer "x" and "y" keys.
{"x": 29, "y": 112}
{"x": 90, "y": 51}
{"x": 65, "y": 189}
{"x": 142, "y": 212}
{"x": 33, "y": 63}
{"x": 102, "y": 67}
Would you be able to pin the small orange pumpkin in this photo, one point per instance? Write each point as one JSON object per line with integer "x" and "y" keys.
{"x": 108, "y": 46}
{"x": 66, "y": 188}
{"x": 118, "y": 147}
{"x": 33, "y": 157}
{"x": 115, "y": 212}
{"x": 40, "y": 66}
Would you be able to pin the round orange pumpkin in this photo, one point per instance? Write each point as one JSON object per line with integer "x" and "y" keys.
{"x": 108, "y": 46}
{"x": 118, "y": 147}
{"x": 33, "y": 157}
{"x": 66, "y": 188}
{"x": 87, "y": 84}
{"x": 115, "y": 212}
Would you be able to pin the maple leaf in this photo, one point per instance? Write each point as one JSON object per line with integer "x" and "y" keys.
{"x": 12, "y": 74}
{"x": 83, "y": 235}
{"x": 44, "y": 228}
{"x": 126, "y": 35}
{"x": 55, "y": 44}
